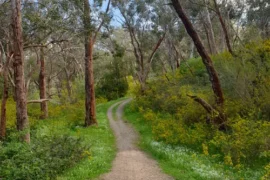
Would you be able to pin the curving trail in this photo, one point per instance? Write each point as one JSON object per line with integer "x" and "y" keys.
{"x": 130, "y": 162}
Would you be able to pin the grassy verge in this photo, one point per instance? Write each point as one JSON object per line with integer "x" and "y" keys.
{"x": 61, "y": 147}
{"x": 183, "y": 163}
{"x": 102, "y": 148}
{"x": 99, "y": 138}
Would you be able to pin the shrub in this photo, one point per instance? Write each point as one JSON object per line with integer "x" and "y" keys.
{"x": 245, "y": 142}
{"x": 267, "y": 175}
{"x": 43, "y": 159}
{"x": 11, "y": 116}
{"x": 177, "y": 119}
{"x": 112, "y": 87}
{"x": 113, "y": 84}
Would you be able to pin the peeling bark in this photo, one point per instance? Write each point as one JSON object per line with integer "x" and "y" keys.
{"x": 18, "y": 65}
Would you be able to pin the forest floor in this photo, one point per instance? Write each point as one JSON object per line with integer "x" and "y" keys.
{"x": 130, "y": 162}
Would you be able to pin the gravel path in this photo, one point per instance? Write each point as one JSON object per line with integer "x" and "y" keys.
{"x": 130, "y": 162}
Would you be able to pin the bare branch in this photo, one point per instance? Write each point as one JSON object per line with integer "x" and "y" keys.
{"x": 37, "y": 101}
{"x": 204, "y": 104}
{"x": 102, "y": 22}
{"x": 156, "y": 48}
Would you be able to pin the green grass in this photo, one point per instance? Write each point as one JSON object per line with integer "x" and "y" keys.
{"x": 102, "y": 148}
{"x": 99, "y": 138}
{"x": 183, "y": 163}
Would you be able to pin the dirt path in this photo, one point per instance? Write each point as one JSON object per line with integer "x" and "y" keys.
{"x": 130, "y": 162}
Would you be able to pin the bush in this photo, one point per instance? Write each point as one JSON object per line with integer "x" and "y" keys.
{"x": 247, "y": 141}
{"x": 112, "y": 87}
{"x": 114, "y": 84}
{"x": 43, "y": 159}
{"x": 177, "y": 119}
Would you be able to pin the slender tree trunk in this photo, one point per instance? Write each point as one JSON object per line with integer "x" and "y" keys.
{"x": 42, "y": 86}
{"x": 90, "y": 105}
{"x": 21, "y": 104}
{"x": 208, "y": 38}
{"x": 210, "y": 30}
{"x": 214, "y": 79}
{"x": 3, "y": 118}
{"x": 191, "y": 55}
{"x": 224, "y": 28}
{"x": 222, "y": 40}
{"x": 68, "y": 85}
{"x": 3, "y": 108}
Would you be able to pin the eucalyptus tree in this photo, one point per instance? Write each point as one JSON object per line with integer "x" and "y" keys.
{"x": 209, "y": 27}
{"x": 47, "y": 24}
{"x": 213, "y": 76}
{"x": 147, "y": 29}
{"x": 224, "y": 27}
{"x": 5, "y": 60}
{"x": 258, "y": 14}
{"x": 91, "y": 30}
{"x": 18, "y": 66}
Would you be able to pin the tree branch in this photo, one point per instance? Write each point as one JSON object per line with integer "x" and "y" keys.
{"x": 204, "y": 104}
{"x": 37, "y": 101}
{"x": 156, "y": 48}
{"x": 102, "y": 22}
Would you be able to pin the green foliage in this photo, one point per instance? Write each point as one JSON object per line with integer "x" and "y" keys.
{"x": 59, "y": 145}
{"x": 182, "y": 162}
{"x": 247, "y": 142}
{"x": 114, "y": 84}
{"x": 176, "y": 119}
{"x": 43, "y": 159}
{"x": 245, "y": 80}
{"x": 112, "y": 87}
{"x": 102, "y": 143}
{"x": 11, "y": 116}
{"x": 267, "y": 175}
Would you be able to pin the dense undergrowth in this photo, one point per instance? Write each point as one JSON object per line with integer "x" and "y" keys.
{"x": 61, "y": 148}
{"x": 183, "y": 162}
{"x": 176, "y": 119}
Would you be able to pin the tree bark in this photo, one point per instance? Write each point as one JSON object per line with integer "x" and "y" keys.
{"x": 3, "y": 118}
{"x": 211, "y": 34}
{"x": 42, "y": 86}
{"x": 224, "y": 28}
{"x": 214, "y": 79}
{"x": 18, "y": 65}
{"x": 90, "y": 105}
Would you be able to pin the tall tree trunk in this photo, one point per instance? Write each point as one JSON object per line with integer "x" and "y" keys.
{"x": 42, "y": 86}
{"x": 214, "y": 79}
{"x": 21, "y": 104}
{"x": 90, "y": 105}
{"x": 210, "y": 30}
{"x": 224, "y": 28}
{"x": 208, "y": 38}
{"x": 3, "y": 118}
